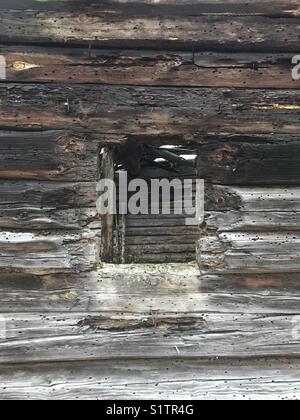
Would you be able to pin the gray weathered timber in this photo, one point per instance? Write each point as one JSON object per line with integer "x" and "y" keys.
{"x": 162, "y": 8}
{"x": 280, "y": 199}
{"x": 83, "y": 336}
{"x": 34, "y": 205}
{"x": 177, "y": 114}
{"x": 251, "y": 160}
{"x": 256, "y": 33}
{"x": 47, "y": 155}
{"x": 150, "y": 289}
{"x": 148, "y": 68}
{"x": 41, "y": 253}
{"x": 250, "y": 252}
{"x": 260, "y": 221}
{"x": 250, "y": 379}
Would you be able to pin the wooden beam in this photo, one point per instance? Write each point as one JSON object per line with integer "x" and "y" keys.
{"x": 239, "y": 379}
{"x": 149, "y": 113}
{"x": 107, "y": 233}
{"x": 147, "y": 68}
{"x": 107, "y": 29}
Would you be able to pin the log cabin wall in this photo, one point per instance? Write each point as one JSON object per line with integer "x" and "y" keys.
{"x": 85, "y": 75}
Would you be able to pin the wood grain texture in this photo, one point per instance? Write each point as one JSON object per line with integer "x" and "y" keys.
{"x": 117, "y": 29}
{"x": 147, "y": 289}
{"x": 256, "y": 160}
{"x": 250, "y": 252}
{"x": 36, "y": 205}
{"x": 148, "y": 68}
{"x": 49, "y": 155}
{"x": 41, "y": 253}
{"x": 263, "y": 379}
{"x": 179, "y": 114}
{"x": 82, "y": 336}
{"x": 220, "y": 198}
{"x": 162, "y": 7}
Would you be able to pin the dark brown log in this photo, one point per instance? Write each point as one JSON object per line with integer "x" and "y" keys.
{"x": 39, "y": 254}
{"x": 236, "y": 33}
{"x": 107, "y": 172}
{"x": 179, "y": 114}
{"x": 46, "y": 205}
{"x": 161, "y": 8}
{"x": 50, "y": 155}
{"x": 255, "y": 160}
{"x": 115, "y": 67}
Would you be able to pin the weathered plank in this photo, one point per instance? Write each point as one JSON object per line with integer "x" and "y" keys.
{"x": 148, "y": 68}
{"x": 250, "y": 379}
{"x": 255, "y": 160}
{"x": 81, "y": 336}
{"x": 177, "y": 114}
{"x": 260, "y": 221}
{"x": 105, "y": 28}
{"x": 38, "y": 253}
{"x": 34, "y": 205}
{"x": 250, "y": 252}
{"x": 49, "y": 155}
{"x": 221, "y": 198}
{"x": 140, "y": 289}
{"x": 162, "y": 7}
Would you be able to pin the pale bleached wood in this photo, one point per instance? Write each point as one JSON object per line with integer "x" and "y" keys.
{"x": 83, "y": 336}
{"x": 250, "y": 252}
{"x": 252, "y": 199}
{"x": 170, "y": 288}
{"x": 263, "y": 379}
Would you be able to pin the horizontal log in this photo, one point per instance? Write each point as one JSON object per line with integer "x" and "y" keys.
{"x": 240, "y": 252}
{"x": 47, "y": 205}
{"x": 239, "y": 379}
{"x": 259, "y": 221}
{"x": 49, "y": 155}
{"x": 162, "y": 8}
{"x": 147, "y": 68}
{"x": 80, "y": 336}
{"x": 257, "y": 161}
{"x": 110, "y": 28}
{"x": 221, "y": 198}
{"x": 144, "y": 289}
{"x": 40, "y": 254}
{"x": 176, "y": 114}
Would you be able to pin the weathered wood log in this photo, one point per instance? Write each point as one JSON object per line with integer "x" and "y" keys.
{"x": 256, "y": 160}
{"x": 222, "y": 198}
{"x": 115, "y": 29}
{"x": 40, "y": 254}
{"x": 47, "y": 205}
{"x": 49, "y": 155}
{"x": 147, "y": 289}
{"x": 107, "y": 172}
{"x": 162, "y": 8}
{"x": 81, "y": 336}
{"x": 259, "y": 221}
{"x": 179, "y": 114}
{"x": 238, "y": 379}
{"x": 244, "y": 252}
{"x": 157, "y": 68}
